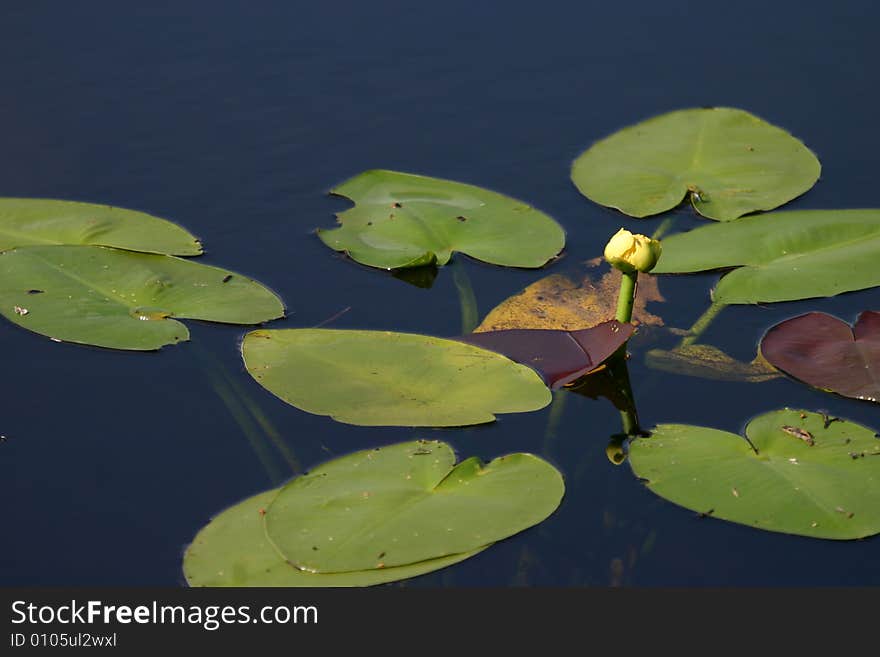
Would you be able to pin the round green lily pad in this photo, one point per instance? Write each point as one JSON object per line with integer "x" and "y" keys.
{"x": 798, "y": 473}
{"x": 404, "y": 220}
{"x": 120, "y": 299}
{"x": 30, "y": 221}
{"x": 727, "y": 161}
{"x": 232, "y": 550}
{"x": 376, "y": 378}
{"x": 405, "y": 504}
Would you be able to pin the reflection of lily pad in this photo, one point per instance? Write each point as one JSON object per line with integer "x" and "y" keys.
{"x": 826, "y": 353}
{"x": 407, "y": 503}
{"x": 26, "y": 221}
{"x": 232, "y": 550}
{"x": 708, "y": 362}
{"x": 383, "y": 378}
{"x": 404, "y": 220}
{"x": 782, "y": 256}
{"x": 801, "y": 473}
{"x": 728, "y": 161}
{"x": 558, "y": 302}
{"x": 560, "y": 357}
{"x": 120, "y": 299}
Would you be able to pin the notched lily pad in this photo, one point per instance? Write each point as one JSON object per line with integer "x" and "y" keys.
{"x": 727, "y": 161}
{"x": 560, "y": 357}
{"x": 709, "y": 362}
{"x": 559, "y": 302}
{"x": 404, "y": 220}
{"x": 28, "y": 221}
{"x": 121, "y": 299}
{"x": 376, "y": 378}
{"x": 798, "y": 473}
{"x": 232, "y": 550}
{"x": 405, "y": 504}
{"x": 782, "y": 256}
{"x": 824, "y": 352}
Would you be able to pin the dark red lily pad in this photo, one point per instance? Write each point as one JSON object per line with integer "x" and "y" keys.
{"x": 824, "y": 352}
{"x": 560, "y": 357}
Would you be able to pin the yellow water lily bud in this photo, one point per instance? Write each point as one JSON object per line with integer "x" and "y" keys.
{"x": 632, "y": 252}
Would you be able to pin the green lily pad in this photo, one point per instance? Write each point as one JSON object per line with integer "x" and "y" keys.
{"x": 232, "y": 550}
{"x": 801, "y": 473}
{"x": 375, "y": 378}
{"x": 728, "y": 161}
{"x": 404, "y": 220}
{"x": 405, "y": 504}
{"x": 30, "y": 221}
{"x": 782, "y": 256}
{"x": 121, "y": 299}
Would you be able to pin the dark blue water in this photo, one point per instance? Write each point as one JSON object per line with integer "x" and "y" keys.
{"x": 235, "y": 119}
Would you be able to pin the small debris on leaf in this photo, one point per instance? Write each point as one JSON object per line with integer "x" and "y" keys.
{"x": 804, "y": 435}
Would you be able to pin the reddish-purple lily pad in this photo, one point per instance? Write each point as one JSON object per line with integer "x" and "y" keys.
{"x": 560, "y": 357}
{"x": 826, "y": 353}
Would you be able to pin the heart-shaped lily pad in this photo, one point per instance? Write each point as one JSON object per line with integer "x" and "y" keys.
{"x": 376, "y": 378}
{"x": 560, "y": 357}
{"x": 826, "y": 353}
{"x": 799, "y": 473}
{"x": 121, "y": 299}
{"x": 405, "y": 504}
{"x": 232, "y": 550}
{"x": 782, "y": 256}
{"x": 405, "y": 220}
{"x": 728, "y": 161}
{"x": 28, "y": 221}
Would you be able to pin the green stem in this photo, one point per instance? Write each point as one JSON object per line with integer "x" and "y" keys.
{"x": 663, "y": 228}
{"x": 467, "y": 300}
{"x": 254, "y": 425}
{"x": 702, "y": 324}
{"x": 557, "y": 406}
{"x": 629, "y": 416}
{"x": 628, "y": 285}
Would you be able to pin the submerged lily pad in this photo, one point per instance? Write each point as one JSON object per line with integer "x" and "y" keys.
{"x": 728, "y": 161}
{"x": 560, "y": 357}
{"x": 782, "y": 256}
{"x": 824, "y": 352}
{"x": 405, "y": 504}
{"x": 28, "y": 221}
{"x": 405, "y": 220}
{"x": 232, "y": 550}
{"x": 559, "y": 302}
{"x": 709, "y": 362}
{"x": 798, "y": 473}
{"x": 121, "y": 299}
{"x": 376, "y": 378}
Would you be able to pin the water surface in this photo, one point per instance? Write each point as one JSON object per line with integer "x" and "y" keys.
{"x": 236, "y": 120}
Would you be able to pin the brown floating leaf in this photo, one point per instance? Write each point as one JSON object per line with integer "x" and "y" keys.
{"x": 708, "y": 362}
{"x": 560, "y": 357}
{"x": 824, "y": 352}
{"x": 558, "y": 302}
